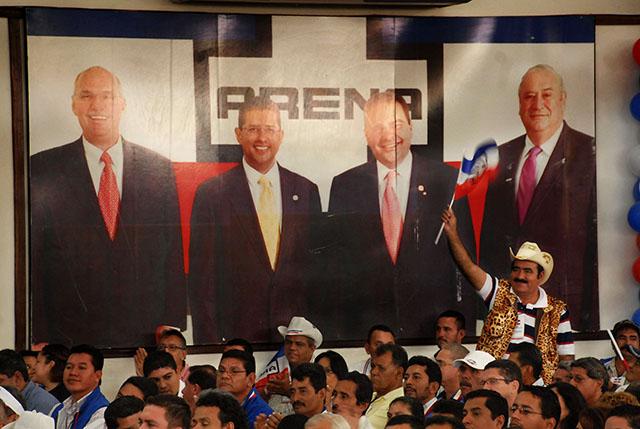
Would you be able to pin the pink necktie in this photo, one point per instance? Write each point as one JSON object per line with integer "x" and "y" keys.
{"x": 391, "y": 217}
{"x": 108, "y": 196}
{"x": 527, "y": 183}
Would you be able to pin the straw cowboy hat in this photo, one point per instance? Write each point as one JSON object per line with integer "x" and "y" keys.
{"x": 531, "y": 252}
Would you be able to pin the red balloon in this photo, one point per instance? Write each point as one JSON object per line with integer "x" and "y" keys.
{"x": 636, "y": 270}
{"x": 636, "y": 51}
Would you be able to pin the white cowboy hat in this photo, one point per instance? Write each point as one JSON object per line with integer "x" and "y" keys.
{"x": 301, "y": 326}
{"x": 531, "y": 252}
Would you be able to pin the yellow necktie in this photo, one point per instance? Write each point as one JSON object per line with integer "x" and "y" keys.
{"x": 268, "y": 219}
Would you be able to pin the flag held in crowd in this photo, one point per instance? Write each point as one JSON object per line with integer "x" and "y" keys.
{"x": 278, "y": 367}
{"x": 477, "y": 163}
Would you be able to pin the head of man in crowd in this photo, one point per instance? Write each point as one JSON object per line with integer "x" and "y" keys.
{"x": 623, "y": 417}
{"x": 450, "y": 327}
{"x": 140, "y": 387}
{"x": 405, "y": 421}
{"x": 626, "y": 332}
{"x": 571, "y": 404}
{"x": 377, "y": 336}
{"x": 387, "y": 128}
{"x": 98, "y": 104}
{"x": 405, "y": 406}
{"x": 445, "y": 358}
{"x": 308, "y": 389}
{"x": 199, "y": 379}
{"x": 173, "y": 342}
{"x": 388, "y": 363}
{"x": 160, "y": 367}
{"x": 542, "y": 102}
{"x": 422, "y": 379}
{"x": 352, "y": 395}
{"x": 83, "y": 371}
{"x": 562, "y": 373}
{"x": 219, "y": 410}
{"x": 485, "y": 409}
{"x": 301, "y": 338}
{"x": 443, "y": 422}
{"x": 471, "y": 369}
{"x": 236, "y": 373}
{"x": 503, "y": 376}
{"x": 29, "y": 357}
{"x": 13, "y": 370}
{"x": 12, "y": 405}
{"x": 590, "y": 377}
{"x": 448, "y": 407}
{"x": 535, "y": 407}
{"x": 327, "y": 421}
{"x": 529, "y": 360}
{"x": 238, "y": 344}
{"x": 530, "y": 269}
{"x": 124, "y": 413}
{"x": 259, "y": 132}
{"x": 165, "y": 412}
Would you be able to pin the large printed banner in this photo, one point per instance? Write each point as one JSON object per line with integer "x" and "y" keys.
{"x": 176, "y": 224}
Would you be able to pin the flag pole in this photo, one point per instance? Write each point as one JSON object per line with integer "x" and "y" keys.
{"x": 442, "y": 226}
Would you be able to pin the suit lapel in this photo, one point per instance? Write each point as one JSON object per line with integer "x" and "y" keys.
{"x": 290, "y": 199}
{"x": 412, "y": 231}
{"x": 508, "y": 176}
{"x": 371, "y": 204}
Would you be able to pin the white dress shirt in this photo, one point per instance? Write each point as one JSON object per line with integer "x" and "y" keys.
{"x": 543, "y": 157}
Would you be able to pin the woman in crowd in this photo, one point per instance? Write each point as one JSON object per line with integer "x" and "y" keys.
{"x": 335, "y": 367}
{"x": 48, "y": 370}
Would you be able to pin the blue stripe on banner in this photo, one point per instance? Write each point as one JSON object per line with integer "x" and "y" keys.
{"x": 508, "y": 29}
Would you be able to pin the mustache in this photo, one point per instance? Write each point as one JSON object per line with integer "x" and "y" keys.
{"x": 298, "y": 404}
{"x": 520, "y": 281}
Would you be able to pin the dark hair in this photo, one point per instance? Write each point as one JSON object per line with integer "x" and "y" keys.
{"x": 28, "y": 353}
{"x": 256, "y": 103}
{"x": 240, "y": 342}
{"x": 314, "y": 372}
{"x": 443, "y": 420}
{"x": 176, "y": 409}
{"x": 591, "y": 418}
{"x": 364, "y": 387}
{"x": 414, "y": 405}
{"x": 625, "y": 324}
{"x": 173, "y": 333}
{"x": 97, "y": 358}
{"x": 549, "y": 403}
{"x": 574, "y": 401}
{"x": 634, "y": 389}
{"x": 11, "y": 362}
{"x": 336, "y": 362}
{"x": 508, "y": 369}
{"x": 202, "y": 377}
{"x": 528, "y": 354}
{"x": 58, "y": 354}
{"x": 121, "y": 408}
{"x": 413, "y": 421}
{"x": 230, "y": 409}
{"x": 448, "y": 406}
{"x": 156, "y": 360}
{"x": 145, "y": 385}
{"x": 387, "y": 96}
{"x": 497, "y": 404}
{"x": 248, "y": 361}
{"x": 461, "y": 322}
{"x": 398, "y": 354}
{"x": 431, "y": 368}
{"x": 594, "y": 369}
{"x": 293, "y": 421}
{"x": 383, "y": 328}
{"x": 631, "y": 413}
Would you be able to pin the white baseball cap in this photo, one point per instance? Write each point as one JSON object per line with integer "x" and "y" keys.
{"x": 476, "y": 359}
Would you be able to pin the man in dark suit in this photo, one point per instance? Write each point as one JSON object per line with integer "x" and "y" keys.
{"x": 106, "y": 264}
{"x": 545, "y": 192}
{"x": 386, "y": 217}
{"x": 251, "y": 253}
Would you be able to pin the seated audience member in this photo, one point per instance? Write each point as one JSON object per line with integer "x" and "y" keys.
{"x": 471, "y": 368}
{"x": 485, "y": 409}
{"x": 445, "y": 357}
{"x": 173, "y": 342}
{"x": 529, "y": 359}
{"x": 237, "y": 375}
{"x": 563, "y": 372}
{"x": 610, "y": 400}
{"x": 11, "y": 405}
{"x": 504, "y": 377}
{"x": 422, "y": 381}
{"x": 405, "y": 421}
{"x": 450, "y": 328}
{"x": 49, "y": 367}
{"x": 199, "y": 379}
{"x": 218, "y": 410}
{"x": 591, "y": 418}
{"x": 443, "y": 422}
{"x": 536, "y": 407}
{"x": 13, "y": 372}
{"x": 351, "y": 398}
{"x": 86, "y": 405}
{"x": 571, "y": 403}
{"x": 334, "y": 367}
{"x": 623, "y": 417}
{"x": 308, "y": 389}
{"x": 388, "y": 363}
{"x": 590, "y": 377}
{"x": 124, "y": 413}
{"x": 326, "y": 421}
{"x": 624, "y": 332}
{"x": 29, "y": 357}
{"x": 292, "y": 421}
{"x": 448, "y": 407}
{"x": 139, "y": 387}
{"x": 405, "y": 406}
{"x": 166, "y": 412}
{"x": 160, "y": 367}
{"x": 377, "y": 335}
{"x": 238, "y": 344}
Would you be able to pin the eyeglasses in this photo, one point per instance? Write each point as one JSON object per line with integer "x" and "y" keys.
{"x": 231, "y": 371}
{"x": 524, "y": 410}
{"x": 254, "y": 131}
{"x": 492, "y": 381}
{"x": 170, "y": 347}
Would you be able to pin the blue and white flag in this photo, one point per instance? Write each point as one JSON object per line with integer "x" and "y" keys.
{"x": 477, "y": 163}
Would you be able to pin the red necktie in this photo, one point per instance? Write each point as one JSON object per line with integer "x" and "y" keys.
{"x": 527, "y": 183}
{"x": 108, "y": 196}
{"x": 391, "y": 217}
